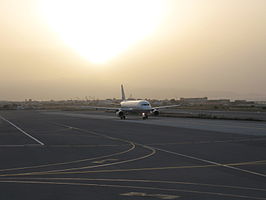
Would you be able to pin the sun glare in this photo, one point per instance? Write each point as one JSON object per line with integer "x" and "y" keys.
{"x": 101, "y": 29}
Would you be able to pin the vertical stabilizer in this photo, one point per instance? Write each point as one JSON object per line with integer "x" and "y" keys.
{"x": 123, "y": 93}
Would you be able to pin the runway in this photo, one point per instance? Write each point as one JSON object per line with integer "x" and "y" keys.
{"x": 94, "y": 155}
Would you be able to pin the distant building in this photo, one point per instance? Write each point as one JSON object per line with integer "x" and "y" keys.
{"x": 240, "y": 101}
{"x": 203, "y": 100}
{"x": 20, "y": 107}
{"x": 243, "y": 102}
{"x": 219, "y": 102}
{"x": 105, "y": 102}
{"x": 261, "y": 102}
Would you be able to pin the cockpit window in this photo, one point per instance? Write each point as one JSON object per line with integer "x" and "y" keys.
{"x": 145, "y": 104}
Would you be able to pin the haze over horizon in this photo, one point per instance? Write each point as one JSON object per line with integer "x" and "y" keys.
{"x": 191, "y": 48}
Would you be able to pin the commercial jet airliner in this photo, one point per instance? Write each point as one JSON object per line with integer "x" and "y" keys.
{"x": 141, "y": 107}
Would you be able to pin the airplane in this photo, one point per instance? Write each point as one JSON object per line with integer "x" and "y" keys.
{"x": 142, "y": 107}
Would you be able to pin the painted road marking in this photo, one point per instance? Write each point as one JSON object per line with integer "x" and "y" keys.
{"x": 104, "y": 161}
{"x": 22, "y": 131}
{"x": 212, "y": 162}
{"x": 133, "y": 187}
{"x": 211, "y": 141}
{"x": 145, "y": 181}
{"x": 19, "y": 145}
{"x": 142, "y": 194}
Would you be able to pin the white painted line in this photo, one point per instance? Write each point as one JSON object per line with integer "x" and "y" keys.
{"x": 211, "y": 162}
{"x": 142, "y": 194}
{"x": 22, "y": 131}
{"x": 19, "y": 145}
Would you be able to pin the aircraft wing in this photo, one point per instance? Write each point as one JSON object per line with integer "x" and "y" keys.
{"x": 170, "y": 106}
{"x": 101, "y": 108}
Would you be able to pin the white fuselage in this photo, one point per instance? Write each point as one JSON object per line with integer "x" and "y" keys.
{"x": 142, "y": 106}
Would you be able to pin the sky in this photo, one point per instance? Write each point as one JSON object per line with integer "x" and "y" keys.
{"x": 156, "y": 48}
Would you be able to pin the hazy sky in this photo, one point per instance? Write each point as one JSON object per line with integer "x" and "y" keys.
{"x": 193, "y": 48}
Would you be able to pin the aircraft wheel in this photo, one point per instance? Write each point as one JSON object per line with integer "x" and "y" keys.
{"x": 145, "y": 117}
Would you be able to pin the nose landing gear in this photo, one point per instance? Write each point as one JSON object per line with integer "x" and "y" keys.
{"x": 144, "y": 116}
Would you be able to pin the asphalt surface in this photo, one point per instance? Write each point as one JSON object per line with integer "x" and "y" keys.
{"x": 94, "y": 155}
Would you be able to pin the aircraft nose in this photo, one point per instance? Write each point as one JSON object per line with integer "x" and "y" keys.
{"x": 148, "y": 108}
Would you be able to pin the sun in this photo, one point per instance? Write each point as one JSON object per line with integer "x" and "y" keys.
{"x": 99, "y": 30}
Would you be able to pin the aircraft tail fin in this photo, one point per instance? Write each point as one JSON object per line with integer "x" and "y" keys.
{"x": 123, "y": 93}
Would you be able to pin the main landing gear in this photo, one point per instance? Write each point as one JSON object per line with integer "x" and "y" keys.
{"x": 123, "y": 117}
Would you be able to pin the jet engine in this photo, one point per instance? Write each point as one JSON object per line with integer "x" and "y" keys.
{"x": 120, "y": 114}
{"x": 155, "y": 112}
